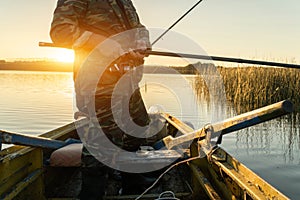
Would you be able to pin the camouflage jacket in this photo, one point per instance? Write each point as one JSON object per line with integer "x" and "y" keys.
{"x": 104, "y": 17}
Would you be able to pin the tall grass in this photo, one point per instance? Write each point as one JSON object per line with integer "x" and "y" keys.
{"x": 249, "y": 88}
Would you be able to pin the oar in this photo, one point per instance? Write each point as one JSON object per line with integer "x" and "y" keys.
{"x": 232, "y": 124}
{"x": 33, "y": 141}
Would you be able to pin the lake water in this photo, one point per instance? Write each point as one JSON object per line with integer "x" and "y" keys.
{"x": 36, "y": 102}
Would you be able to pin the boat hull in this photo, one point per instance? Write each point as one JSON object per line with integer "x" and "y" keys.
{"x": 24, "y": 174}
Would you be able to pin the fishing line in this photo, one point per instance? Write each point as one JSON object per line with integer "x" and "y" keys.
{"x": 194, "y": 6}
{"x": 166, "y": 171}
{"x": 169, "y": 168}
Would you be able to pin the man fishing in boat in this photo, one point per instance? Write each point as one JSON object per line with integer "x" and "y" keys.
{"x": 22, "y": 169}
{"x": 82, "y": 25}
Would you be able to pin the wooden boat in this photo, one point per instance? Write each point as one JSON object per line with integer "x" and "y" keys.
{"x": 24, "y": 173}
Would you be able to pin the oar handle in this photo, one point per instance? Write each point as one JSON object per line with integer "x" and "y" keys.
{"x": 232, "y": 124}
{"x": 254, "y": 117}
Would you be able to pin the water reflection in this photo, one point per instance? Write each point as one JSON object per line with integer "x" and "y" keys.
{"x": 35, "y": 102}
{"x": 276, "y": 137}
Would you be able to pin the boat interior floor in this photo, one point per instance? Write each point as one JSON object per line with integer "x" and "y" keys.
{"x": 177, "y": 181}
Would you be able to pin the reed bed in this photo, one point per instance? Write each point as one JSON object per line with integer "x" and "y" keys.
{"x": 249, "y": 88}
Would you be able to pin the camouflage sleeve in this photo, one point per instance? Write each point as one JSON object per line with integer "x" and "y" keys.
{"x": 65, "y": 24}
{"x": 142, "y": 33}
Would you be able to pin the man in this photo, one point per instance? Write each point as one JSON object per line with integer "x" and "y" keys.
{"x": 83, "y": 25}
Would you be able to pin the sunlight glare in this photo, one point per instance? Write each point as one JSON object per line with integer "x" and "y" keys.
{"x": 64, "y": 55}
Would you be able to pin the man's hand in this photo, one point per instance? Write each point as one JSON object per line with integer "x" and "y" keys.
{"x": 137, "y": 54}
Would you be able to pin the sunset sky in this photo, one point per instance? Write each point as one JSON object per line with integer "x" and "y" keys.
{"x": 260, "y": 29}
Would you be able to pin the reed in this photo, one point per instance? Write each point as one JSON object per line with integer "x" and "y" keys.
{"x": 249, "y": 88}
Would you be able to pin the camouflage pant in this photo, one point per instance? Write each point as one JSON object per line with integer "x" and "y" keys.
{"x": 127, "y": 99}
{"x": 93, "y": 171}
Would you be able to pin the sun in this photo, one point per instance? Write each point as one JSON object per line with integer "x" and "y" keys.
{"x": 64, "y": 55}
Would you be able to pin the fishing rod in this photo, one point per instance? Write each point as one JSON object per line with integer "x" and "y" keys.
{"x": 166, "y": 31}
{"x": 224, "y": 59}
{"x": 201, "y": 57}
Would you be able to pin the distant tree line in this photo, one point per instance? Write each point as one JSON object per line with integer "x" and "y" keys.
{"x": 68, "y": 67}
{"x": 37, "y": 66}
